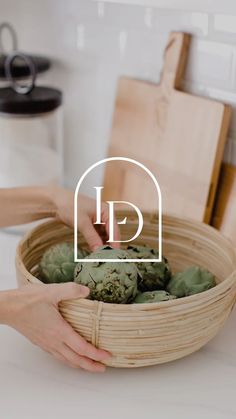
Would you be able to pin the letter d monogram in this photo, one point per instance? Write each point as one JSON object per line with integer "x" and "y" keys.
{"x": 111, "y": 217}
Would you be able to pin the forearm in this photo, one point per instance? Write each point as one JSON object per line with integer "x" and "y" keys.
{"x": 23, "y": 205}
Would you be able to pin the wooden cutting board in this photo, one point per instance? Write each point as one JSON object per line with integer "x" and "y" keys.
{"x": 224, "y": 214}
{"x": 178, "y": 136}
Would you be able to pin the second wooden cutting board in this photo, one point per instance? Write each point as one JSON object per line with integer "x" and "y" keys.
{"x": 225, "y": 206}
{"x": 178, "y": 136}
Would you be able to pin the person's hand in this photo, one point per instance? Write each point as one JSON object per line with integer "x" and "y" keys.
{"x": 33, "y": 311}
{"x": 64, "y": 201}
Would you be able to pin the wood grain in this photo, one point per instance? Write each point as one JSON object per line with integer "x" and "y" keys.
{"x": 224, "y": 215}
{"x": 178, "y": 136}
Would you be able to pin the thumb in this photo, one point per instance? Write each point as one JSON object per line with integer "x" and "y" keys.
{"x": 69, "y": 291}
{"x": 90, "y": 234}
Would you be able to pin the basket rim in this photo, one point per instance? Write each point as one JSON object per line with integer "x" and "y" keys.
{"x": 228, "y": 282}
{"x": 149, "y": 214}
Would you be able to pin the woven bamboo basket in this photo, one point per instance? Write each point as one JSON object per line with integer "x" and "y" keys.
{"x": 147, "y": 334}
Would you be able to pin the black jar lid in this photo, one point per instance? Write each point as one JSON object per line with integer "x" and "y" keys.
{"x": 39, "y": 100}
{"x": 20, "y": 69}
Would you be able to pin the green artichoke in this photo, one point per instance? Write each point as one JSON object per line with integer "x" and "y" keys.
{"x": 191, "y": 281}
{"x": 153, "y": 297}
{"x": 57, "y": 263}
{"x": 155, "y": 275}
{"x": 111, "y": 282}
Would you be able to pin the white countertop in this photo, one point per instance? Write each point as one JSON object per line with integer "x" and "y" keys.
{"x": 35, "y": 386}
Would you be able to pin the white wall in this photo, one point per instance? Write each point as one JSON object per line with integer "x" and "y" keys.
{"x": 92, "y": 43}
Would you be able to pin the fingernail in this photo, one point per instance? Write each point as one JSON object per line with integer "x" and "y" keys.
{"x": 107, "y": 355}
{"x": 84, "y": 290}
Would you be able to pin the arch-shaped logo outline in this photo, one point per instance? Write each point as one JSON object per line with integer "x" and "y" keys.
{"x": 109, "y": 159}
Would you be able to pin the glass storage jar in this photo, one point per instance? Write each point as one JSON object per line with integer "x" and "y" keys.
{"x": 31, "y": 132}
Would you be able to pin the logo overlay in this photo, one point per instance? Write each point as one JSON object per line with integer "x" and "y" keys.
{"x": 111, "y": 208}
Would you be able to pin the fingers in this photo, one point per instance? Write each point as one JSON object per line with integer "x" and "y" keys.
{"x": 79, "y": 345}
{"x": 116, "y": 235}
{"x": 105, "y": 219}
{"x": 67, "y": 355}
{"x": 90, "y": 234}
{"x": 71, "y": 348}
{"x": 67, "y": 291}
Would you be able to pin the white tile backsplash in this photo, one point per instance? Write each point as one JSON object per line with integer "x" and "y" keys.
{"x": 144, "y": 55}
{"x": 210, "y": 63}
{"x": 148, "y": 17}
{"x": 225, "y": 23}
{"x": 93, "y": 43}
{"x": 132, "y": 17}
{"x": 200, "y": 22}
{"x": 101, "y": 9}
{"x": 80, "y": 37}
{"x": 196, "y": 23}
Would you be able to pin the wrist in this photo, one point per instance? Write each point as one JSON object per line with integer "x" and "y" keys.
{"x": 8, "y": 304}
{"x": 54, "y": 193}
{"x": 48, "y": 198}
{"x": 14, "y": 302}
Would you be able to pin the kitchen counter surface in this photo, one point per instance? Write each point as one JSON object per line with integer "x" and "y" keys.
{"x": 35, "y": 386}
